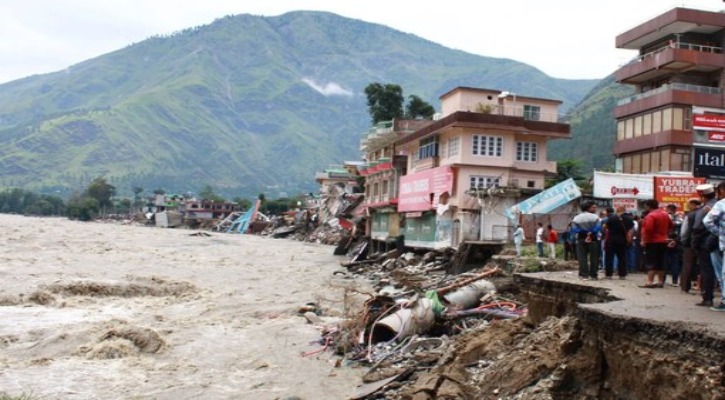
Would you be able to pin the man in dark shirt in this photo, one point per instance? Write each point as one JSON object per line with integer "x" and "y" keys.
{"x": 617, "y": 226}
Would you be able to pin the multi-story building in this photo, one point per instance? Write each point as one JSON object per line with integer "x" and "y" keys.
{"x": 485, "y": 153}
{"x": 382, "y": 171}
{"x": 678, "y": 77}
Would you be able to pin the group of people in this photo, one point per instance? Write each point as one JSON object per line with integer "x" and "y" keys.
{"x": 689, "y": 247}
{"x": 550, "y": 237}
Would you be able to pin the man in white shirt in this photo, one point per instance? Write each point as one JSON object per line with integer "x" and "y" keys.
{"x": 540, "y": 239}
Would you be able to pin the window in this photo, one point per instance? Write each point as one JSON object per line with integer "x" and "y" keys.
{"x": 527, "y": 151}
{"x": 491, "y": 146}
{"x": 532, "y": 113}
{"x": 428, "y": 148}
{"x": 482, "y": 182}
{"x": 453, "y": 146}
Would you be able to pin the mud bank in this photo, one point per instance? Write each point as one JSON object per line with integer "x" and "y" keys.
{"x": 636, "y": 356}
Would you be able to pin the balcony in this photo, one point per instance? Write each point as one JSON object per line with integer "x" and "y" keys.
{"x": 676, "y": 58}
{"x": 552, "y": 130}
{"x": 671, "y": 93}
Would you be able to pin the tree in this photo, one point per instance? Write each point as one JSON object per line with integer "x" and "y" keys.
{"x": 385, "y": 102}
{"x": 207, "y": 193}
{"x": 244, "y": 204}
{"x": 83, "y": 208}
{"x": 102, "y": 191}
{"x": 137, "y": 190}
{"x": 418, "y": 109}
{"x": 565, "y": 169}
{"x": 569, "y": 168}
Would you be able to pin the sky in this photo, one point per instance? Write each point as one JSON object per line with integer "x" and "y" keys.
{"x": 571, "y": 39}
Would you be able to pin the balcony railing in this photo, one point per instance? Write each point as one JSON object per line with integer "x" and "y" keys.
{"x": 680, "y": 45}
{"x": 527, "y": 114}
{"x": 671, "y": 86}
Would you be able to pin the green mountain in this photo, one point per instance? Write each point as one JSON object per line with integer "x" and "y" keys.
{"x": 246, "y": 104}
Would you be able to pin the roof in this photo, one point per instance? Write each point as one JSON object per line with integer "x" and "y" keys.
{"x": 496, "y": 92}
{"x": 676, "y": 21}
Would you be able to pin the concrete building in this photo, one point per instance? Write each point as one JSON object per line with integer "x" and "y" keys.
{"x": 382, "y": 171}
{"x": 675, "y": 121}
{"x": 485, "y": 153}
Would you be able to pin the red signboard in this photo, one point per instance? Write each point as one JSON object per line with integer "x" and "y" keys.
{"x": 675, "y": 190}
{"x": 715, "y": 136}
{"x": 420, "y": 191}
{"x": 708, "y": 122}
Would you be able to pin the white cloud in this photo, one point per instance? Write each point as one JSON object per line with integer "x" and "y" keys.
{"x": 328, "y": 89}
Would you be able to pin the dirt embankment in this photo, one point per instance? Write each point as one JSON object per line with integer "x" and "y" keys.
{"x": 583, "y": 353}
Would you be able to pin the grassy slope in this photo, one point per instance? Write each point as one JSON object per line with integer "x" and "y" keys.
{"x": 226, "y": 105}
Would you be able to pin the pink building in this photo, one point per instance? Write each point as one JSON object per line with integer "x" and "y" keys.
{"x": 485, "y": 153}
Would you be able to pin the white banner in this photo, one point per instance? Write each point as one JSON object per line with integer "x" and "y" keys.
{"x": 609, "y": 185}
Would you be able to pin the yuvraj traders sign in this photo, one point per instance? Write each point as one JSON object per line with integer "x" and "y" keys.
{"x": 709, "y": 162}
{"x": 675, "y": 190}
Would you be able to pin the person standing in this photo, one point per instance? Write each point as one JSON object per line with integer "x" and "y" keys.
{"x": 656, "y": 227}
{"x": 616, "y": 243}
{"x": 568, "y": 240}
{"x": 540, "y": 239}
{"x": 714, "y": 221}
{"x": 689, "y": 257}
{"x": 586, "y": 226}
{"x": 519, "y": 239}
{"x": 552, "y": 238}
{"x": 673, "y": 255}
{"x": 701, "y": 242}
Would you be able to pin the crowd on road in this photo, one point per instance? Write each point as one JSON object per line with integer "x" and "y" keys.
{"x": 686, "y": 245}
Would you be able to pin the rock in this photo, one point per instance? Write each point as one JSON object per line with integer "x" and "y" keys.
{"x": 312, "y": 318}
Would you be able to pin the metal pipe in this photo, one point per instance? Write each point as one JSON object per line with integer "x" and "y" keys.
{"x": 404, "y": 322}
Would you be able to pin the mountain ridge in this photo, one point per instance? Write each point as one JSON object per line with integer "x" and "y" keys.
{"x": 224, "y": 103}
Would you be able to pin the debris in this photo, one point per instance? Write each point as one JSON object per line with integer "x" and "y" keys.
{"x": 312, "y": 318}
{"x": 410, "y": 319}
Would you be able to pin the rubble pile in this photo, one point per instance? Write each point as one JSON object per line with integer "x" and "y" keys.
{"x": 415, "y": 332}
{"x": 411, "y": 322}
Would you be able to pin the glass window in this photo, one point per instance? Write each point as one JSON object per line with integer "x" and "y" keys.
{"x": 678, "y": 119}
{"x": 665, "y": 160}
{"x": 532, "y": 113}
{"x": 647, "y": 124}
{"x": 428, "y": 148}
{"x": 667, "y": 119}
{"x": 453, "y": 146}
{"x": 630, "y": 128}
{"x": 482, "y": 182}
{"x": 638, "y": 126}
{"x": 620, "y": 130}
{"x": 646, "y": 166}
{"x": 527, "y": 151}
{"x": 687, "y": 119}
{"x": 657, "y": 122}
{"x": 656, "y": 161}
{"x": 491, "y": 146}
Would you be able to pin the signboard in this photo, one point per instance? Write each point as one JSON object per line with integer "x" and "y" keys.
{"x": 546, "y": 201}
{"x": 420, "y": 191}
{"x": 708, "y": 122}
{"x": 715, "y": 136}
{"x": 629, "y": 205}
{"x": 675, "y": 190}
{"x": 709, "y": 162}
{"x": 609, "y": 185}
